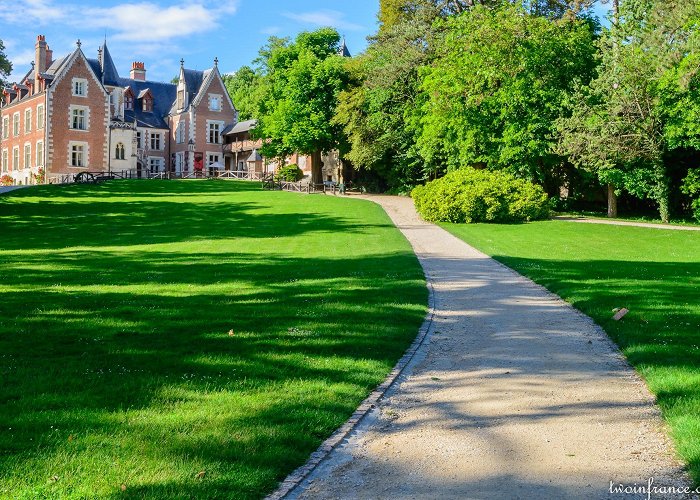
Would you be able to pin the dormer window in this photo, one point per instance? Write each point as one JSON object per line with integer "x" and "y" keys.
{"x": 128, "y": 101}
{"x": 146, "y": 99}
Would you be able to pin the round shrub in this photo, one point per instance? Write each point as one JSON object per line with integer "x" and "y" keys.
{"x": 471, "y": 195}
{"x": 289, "y": 173}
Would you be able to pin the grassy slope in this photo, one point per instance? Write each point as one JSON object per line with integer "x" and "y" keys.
{"x": 116, "y": 365}
{"x": 654, "y": 273}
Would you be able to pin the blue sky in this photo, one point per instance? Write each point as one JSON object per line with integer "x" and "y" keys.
{"x": 159, "y": 32}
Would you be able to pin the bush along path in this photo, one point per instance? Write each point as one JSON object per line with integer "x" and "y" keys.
{"x": 515, "y": 395}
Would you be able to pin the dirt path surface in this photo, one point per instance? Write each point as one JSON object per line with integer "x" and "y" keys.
{"x": 514, "y": 395}
{"x": 586, "y": 220}
{"x": 8, "y": 189}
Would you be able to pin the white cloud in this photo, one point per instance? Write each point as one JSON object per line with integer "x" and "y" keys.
{"x": 333, "y": 18}
{"x": 136, "y": 21}
{"x": 147, "y": 21}
{"x": 41, "y": 12}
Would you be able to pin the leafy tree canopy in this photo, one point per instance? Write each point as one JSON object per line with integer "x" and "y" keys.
{"x": 245, "y": 87}
{"x": 5, "y": 66}
{"x": 302, "y": 80}
{"x": 498, "y": 84}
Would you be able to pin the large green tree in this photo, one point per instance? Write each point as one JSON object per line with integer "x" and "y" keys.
{"x": 378, "y": 110}
{"x": 498, "y": 84}
{"x": 5, "y": 66}
{"x": 302, "y": 80}
{"x": 641, "y": 105}
{"x": 246, "y": 88}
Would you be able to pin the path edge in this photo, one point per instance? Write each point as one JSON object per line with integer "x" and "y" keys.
{"x": 294, "y": 480}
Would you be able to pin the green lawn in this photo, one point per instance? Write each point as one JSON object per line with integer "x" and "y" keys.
{"x": 654, "y": 273}
{"x": 118, "y": 374}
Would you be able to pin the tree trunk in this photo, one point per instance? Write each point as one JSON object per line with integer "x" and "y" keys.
{"x": 316, "y": 168}
{"x": 612, "y": 202}
{"x": 663, "y": 198}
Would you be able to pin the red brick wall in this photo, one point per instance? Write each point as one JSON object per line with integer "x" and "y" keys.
{"x": 36, "y": 134}
{"x": 60, "y": 100}
{"x": 203, "y": 114}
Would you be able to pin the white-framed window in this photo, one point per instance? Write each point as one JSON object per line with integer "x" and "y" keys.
{"x": 79, "y": 118}
{"x": 147, "y": 104}
{"x": 180, "y": 133}
{"x": 179, "y": 161}
{"x": 40, "y": 118}
{"x": 27, "y": 155}
{"x": 155, "y": 164}
{"x": 15, "y": 124}
{"x": 214, "y": 102}
{"x": 40, "y": 153}
{"x": 80, "y": 87}
{"x": 5, "y": 127}
{"x": 212, "y": 158}
{"x": 156, "y": 142}
{"x": 214, "y": 132}
{"x": 78, "y": 154}
{"x": 128, "y": 100}
{"x": 119, "y": 151}
{"x": 15, "y": 158}
{"x": 27, "y": 120}
{"x": 5, "y": 159}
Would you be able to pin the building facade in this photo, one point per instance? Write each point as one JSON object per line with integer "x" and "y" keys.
{"x": 77, "y": 114}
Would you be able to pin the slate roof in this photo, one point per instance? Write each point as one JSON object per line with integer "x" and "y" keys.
{"x": 254, "y": 156}
{"x": 163, "y": 97}
{"x": 240, "y": 127}
{"x": 344, "y": 52}
{"x": 110, "y": 75}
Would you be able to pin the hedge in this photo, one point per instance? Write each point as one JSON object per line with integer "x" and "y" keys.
{"x": 470, "y": 195}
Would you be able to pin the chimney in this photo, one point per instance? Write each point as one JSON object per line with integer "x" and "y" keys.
{"x": 49, "y": 56}
{"x": 138, "y": 71}
{"x": 39, "y": 59}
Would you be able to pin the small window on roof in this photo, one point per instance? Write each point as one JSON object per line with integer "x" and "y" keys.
{"x": 147, "y": 104}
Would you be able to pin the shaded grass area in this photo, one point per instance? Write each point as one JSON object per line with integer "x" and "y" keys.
{"x": 654, "y": 273}
{"x": 118, "y": 375}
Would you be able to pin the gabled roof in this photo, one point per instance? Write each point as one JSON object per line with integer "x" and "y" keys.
{"x": 241, "y": 127}
{"x": 144, "y": 93}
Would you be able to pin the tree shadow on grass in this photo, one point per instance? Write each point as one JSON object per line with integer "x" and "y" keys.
{"x": 155, "y": 213}
{"x": 117, "y": 365}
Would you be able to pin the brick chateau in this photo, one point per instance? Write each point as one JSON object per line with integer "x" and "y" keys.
{"x": 74, "y": 114}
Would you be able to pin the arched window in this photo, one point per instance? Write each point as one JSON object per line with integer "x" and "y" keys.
{"x": 119, "y": 152}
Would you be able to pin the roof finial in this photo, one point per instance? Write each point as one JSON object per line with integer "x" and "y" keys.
{"x": 182, "y": 62}
{"x": 78, "y": 43}
{"x": 216, "y": 61}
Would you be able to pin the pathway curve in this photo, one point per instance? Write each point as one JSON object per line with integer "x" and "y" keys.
{"x": 514, "y": 395}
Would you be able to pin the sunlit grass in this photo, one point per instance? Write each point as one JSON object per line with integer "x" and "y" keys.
{"x": 654, "y": 273}
{"x": 189, "y": 339}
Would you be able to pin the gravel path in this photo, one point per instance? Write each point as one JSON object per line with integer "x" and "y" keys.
{"x": 7, "y": 189}
{"x": 586, "y": 220}
{"x": 514, "y": 395}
